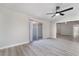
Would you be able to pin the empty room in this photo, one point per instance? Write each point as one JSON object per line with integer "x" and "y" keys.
{"x": 39, "y": 29}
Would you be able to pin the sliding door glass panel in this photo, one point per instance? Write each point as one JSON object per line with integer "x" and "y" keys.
{"x": 39, "y": 31}
{"x": 34, "y": 32}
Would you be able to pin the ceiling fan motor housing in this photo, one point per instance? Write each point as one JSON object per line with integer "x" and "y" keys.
{"x": 57, "y": 7}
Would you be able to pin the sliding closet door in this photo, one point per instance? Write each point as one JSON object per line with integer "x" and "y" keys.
{"x": 35, "y": 33}
{"x": 39, "y": 30}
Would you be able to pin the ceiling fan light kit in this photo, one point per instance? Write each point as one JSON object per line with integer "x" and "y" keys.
{"x": 59, "y": 12}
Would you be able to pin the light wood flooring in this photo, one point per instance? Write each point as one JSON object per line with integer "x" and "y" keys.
{"x": 67, "y": 37}
{"x": 45, "y": 47}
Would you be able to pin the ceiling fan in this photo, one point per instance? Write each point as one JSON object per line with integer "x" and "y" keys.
{"x": 59, "y": 12}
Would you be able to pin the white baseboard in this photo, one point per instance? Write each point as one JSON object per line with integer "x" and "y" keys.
{"x": 13, "y": 45}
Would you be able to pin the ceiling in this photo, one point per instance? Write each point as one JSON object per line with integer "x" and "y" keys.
{"x": 39, "y": 10}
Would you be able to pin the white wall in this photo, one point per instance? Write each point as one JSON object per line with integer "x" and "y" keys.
{"x": 54, "y": 30}
{"x": 58, "y": 28}
{"x": 14, "y": 28}
{"x": 46, "y": 30}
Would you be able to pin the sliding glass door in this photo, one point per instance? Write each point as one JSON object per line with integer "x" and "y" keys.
{"x": 35, "y": 31}
{"x": 40, "y": 31}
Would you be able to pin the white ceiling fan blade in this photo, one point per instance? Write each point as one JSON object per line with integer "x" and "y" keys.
{"x": 53, "y": 15}
{"x": 49, "y": 13}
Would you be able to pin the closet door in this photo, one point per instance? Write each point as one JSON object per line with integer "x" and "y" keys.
{"x": 39, "y": 30}
{"x": 35, "y": 33}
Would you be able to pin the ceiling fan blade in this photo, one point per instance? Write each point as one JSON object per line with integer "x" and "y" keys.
{"x": 49, "y": 13}
{"x": 61, "y": 14}
{"x": 53, "y": 15}
{"x": 66, "y": 9}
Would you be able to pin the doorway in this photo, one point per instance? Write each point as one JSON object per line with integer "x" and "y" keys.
{"x": 35, "y": 31}
{"x": 65, "y": 30}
